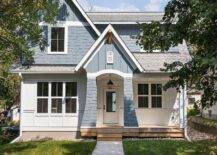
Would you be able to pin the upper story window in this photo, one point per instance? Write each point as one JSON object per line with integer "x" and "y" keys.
{"x": 57, "y": 39}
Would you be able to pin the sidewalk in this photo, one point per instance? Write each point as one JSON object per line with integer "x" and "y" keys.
{"x": 108, "y": 148}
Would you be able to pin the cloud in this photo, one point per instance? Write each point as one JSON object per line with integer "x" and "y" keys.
{"x": 123, "y": 7}
{"x": 153, "y": 5}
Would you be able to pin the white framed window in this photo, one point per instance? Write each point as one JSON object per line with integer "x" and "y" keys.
{"x": 143, "y": 95}
{"x": 42, "y": 97}
{"x": 58, "y": 39}
{"x": 149, "y": 95}
{"x": 61, "y": 96}
{"x": 156, "y": 95}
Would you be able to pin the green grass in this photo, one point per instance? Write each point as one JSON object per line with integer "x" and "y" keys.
{"x": 48, "y": 148}
{"x": 169, "y": 147}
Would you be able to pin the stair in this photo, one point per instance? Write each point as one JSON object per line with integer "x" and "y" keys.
{"x": 109, "y": 133}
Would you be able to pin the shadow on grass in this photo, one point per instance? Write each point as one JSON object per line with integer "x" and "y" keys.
{"x": 18, "y": 147}
{"x": 78, "y": 148}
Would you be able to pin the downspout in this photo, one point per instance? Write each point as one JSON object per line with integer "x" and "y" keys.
{"x": 20, "y": 134}
{"x": 185, "y": 119}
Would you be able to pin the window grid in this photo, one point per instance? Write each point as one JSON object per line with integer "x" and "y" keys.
{"x": 143, "y": 96}
{"x": 57, "y": 39}
{"x": 42, "y": 97}
{"x": 156, "y": 95}
{"x": 63, "y": 98}
{"x": 149, "y": 96}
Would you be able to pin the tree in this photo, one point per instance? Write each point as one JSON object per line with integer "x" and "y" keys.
{"x": 19, "y": 30}
{"x": 194, "y": 21}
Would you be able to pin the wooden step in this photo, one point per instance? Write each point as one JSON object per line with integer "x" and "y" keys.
{"x": 109, "y": 137}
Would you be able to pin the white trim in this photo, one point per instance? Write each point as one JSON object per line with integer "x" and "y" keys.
{"x": 109, "y": 71}
{"x": 65, "y": 40}
{"x": 65, "y": 23}
{"x": 117, "y": 23}
{"x": 86, "y": 17}
{"x": 88, "y": 57}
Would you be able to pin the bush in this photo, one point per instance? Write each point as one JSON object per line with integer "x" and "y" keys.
{"x": 194, "y": 111}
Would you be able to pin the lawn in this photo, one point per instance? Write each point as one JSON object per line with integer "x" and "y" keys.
{"x": 169, "y": 147}
{"x": 49, "y": 148}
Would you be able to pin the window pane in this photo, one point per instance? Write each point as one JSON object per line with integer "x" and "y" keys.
{"x": 61, "y": 33}
{"x": 56, "y": 105}
{"x": 42, "y": 105}
{"x": 143, "y": 89}
{"x": 71, "y": 105}
{"x": 56, "y": 88}
{"x": 156, "y": 102}
{"x": 156, "y": 89}
{"x": 71, "y": 89}
{"x": 110, "y": 101}
{"x": 42, "y": 89}
{"x": 60, "y": 46}
{"x": 54, "y": 46}
{"x": 143, "y": 102}
{"x": 57, "y": 39}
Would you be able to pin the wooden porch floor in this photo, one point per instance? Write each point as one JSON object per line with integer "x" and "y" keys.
{"x": 118, "y": 132}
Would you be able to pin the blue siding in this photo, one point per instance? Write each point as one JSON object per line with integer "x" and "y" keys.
{"x": 129, "y": 33}
{"x": 69, "y": 12}
{"x": 80, "y": 40}
{"x": 99, "y": 61}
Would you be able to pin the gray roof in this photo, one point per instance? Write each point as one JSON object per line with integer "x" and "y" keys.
{"x": 134, "y": 17}
{"x": 153, "y": 62}
{"x": 44, "y": 69}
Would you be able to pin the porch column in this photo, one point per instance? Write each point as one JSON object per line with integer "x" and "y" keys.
{"x": 183, "y": 107}
{"x": 90, "y": 110}
{"x": 130, "y": 118}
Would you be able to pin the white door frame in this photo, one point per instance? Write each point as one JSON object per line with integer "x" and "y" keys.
{"x": 114, "y": 116}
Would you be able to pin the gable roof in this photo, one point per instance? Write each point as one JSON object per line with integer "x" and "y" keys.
{"x": 124, "y": 17}
{"x": 86, "y": 17}
{"x": 109, "y": 29}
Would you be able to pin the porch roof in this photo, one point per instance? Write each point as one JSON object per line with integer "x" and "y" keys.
{"x": 44, "y": 69}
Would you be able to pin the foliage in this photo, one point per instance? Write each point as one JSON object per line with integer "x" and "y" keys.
{"x": 169, "y": 147}
{"x": 19, "y": 30}
{"x": 194, "y": 21}
{"x": 195, "y": 110}
{"x": 204, "y": 121}
{"x": 53, "y": 147}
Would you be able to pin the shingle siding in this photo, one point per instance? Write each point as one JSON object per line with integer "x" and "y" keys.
{"x": 80, "y": 39}
{"x": 130, "y": 118}
{"x": 90, "y": 108}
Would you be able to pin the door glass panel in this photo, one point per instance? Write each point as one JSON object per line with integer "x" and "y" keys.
{"x": 110, "y": 101}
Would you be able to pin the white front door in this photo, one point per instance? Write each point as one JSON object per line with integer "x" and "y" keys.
{"x": 111, "y": 107}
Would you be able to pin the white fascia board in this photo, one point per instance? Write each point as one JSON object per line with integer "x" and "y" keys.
{"x": 86, "y": 17}
{"x": 90, "y": 52}
{"x": 126, "y": 49}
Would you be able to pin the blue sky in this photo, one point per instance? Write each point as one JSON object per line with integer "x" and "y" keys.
{"x": 123, "y": 5}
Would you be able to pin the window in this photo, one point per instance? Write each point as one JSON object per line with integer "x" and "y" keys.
{"x": 56, "y": 97}
{"x": 71, "y": 99}
{"x": 57, "y": 39}
{"x": 156, "y": 95}
{"x": 149, "y": 93}
{"x": 143, "y": 95}
{"x": 42, "y": 97}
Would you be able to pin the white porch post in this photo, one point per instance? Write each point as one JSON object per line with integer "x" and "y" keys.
{"x": 183, "y": 103}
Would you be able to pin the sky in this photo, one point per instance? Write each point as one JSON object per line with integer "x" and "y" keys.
{"x": 123, "y": 5}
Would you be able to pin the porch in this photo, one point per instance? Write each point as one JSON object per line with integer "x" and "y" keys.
{"x": 119, "y": 132}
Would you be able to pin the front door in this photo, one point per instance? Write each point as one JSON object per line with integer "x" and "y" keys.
{"x": 110, "y": 107}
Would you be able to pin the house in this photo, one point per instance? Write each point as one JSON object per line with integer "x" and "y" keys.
{"x": 93, "y": 80}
